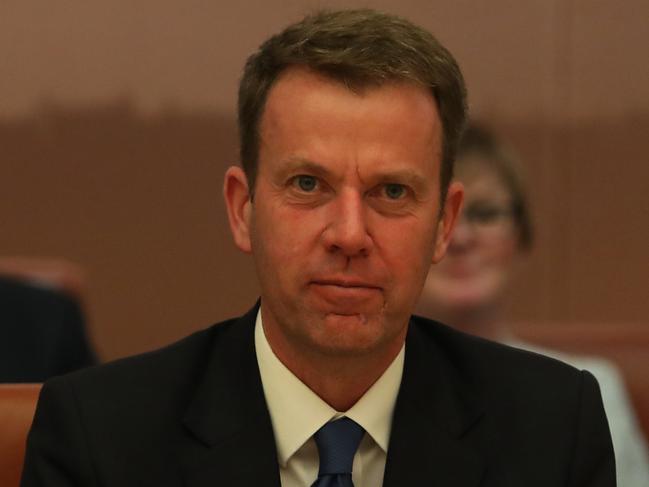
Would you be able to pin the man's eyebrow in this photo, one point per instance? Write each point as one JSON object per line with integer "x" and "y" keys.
{"x": 299, "y": 164}
{"x": 404, "y": 176}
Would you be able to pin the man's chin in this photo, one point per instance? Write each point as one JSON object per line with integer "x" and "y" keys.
{"x": 346, "y": 347}
{"x": 348, "y": 334}
{"x": 353, "y": 326}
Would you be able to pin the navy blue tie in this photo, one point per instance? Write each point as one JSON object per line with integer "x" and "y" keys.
{"x": 337, "y": 444}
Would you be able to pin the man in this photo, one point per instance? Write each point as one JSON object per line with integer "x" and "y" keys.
{"x": 348, "y": 123}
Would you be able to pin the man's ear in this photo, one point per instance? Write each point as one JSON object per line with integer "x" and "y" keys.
{"x": 451, "y": 211}
{"x": 237, "y": 202}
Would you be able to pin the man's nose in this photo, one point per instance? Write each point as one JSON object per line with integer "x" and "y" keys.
{"x": 347, "y": 231}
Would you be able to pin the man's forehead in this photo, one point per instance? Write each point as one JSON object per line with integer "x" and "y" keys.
{"x": 301, "y": 91}
{"x": 318, "y": 124}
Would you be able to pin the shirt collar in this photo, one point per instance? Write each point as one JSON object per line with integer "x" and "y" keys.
{"x": 296, "y": 412}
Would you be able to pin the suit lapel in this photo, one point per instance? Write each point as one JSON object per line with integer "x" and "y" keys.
{"x": 436, "y": 411}
{"x": 233, "y": 442}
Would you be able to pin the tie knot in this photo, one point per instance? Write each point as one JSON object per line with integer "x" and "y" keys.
{"x": 337, "y": 444}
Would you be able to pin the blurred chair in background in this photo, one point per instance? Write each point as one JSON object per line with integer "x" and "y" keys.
{"x": 59, "y": 274}
{"x": 42, "y": 328}
{"x": 468, "y": 289}
{"x": 17, "y": 405}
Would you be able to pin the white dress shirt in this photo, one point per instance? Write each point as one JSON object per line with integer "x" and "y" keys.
{"x": 296, "y": 413}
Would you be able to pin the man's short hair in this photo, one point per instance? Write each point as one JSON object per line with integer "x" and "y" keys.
{"x": 360, "y": 49}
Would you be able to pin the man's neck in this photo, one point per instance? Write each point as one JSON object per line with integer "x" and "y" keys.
{"x": 341, "y": 382}
{"x": 338, "y": 379}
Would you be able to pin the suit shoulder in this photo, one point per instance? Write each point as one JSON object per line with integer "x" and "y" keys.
{"x": 174, "y": 366}
{"x": 510, "y": 386}
{"x": 494, "y": 364}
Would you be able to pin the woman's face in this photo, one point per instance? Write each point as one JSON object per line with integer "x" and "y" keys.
{"x": 483, "y": 249}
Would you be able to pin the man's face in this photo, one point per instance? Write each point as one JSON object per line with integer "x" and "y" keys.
{"x": 344, "y": 223}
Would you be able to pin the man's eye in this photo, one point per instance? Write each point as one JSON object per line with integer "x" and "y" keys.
{"x": 305, "y": 183}
{"x": 394, "y": 191}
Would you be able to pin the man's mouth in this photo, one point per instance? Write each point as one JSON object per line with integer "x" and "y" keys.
{"x": 346, "y": 296}
{"x": 348, "y": 283}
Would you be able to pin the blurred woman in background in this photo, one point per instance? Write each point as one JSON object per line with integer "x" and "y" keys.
{"x": 468, "y": 288}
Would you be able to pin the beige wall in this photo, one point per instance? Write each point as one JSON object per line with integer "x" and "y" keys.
{"x": 116, "y": 122}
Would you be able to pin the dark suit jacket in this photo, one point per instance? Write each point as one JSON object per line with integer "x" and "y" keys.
{"x": 42, "y": 333}
{"x": 469, "y": 413}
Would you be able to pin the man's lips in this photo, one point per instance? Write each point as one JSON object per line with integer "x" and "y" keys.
{"x": 346, "y": 296}
{"x": 346, "y": 283}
